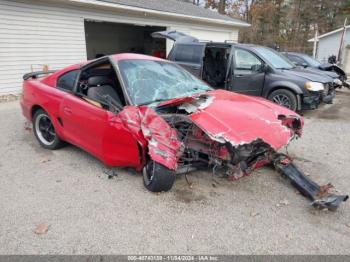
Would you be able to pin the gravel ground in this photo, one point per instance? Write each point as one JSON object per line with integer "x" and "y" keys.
{"x": 88, "y": 213}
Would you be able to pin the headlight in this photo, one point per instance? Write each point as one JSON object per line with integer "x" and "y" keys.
{"x": 337, "y": 82}
{"x": 314, "y": 86}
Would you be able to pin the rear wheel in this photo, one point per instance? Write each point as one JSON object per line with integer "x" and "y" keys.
{"x": 157, "y": 177}
{"x": 45, "y": 132}
{"x": 284, "y": 98}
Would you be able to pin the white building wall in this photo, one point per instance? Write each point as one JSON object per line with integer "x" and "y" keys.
{"x": 37, "y": 33}
{"x": 31, "y": 36}
{"x": 329, "y": 45}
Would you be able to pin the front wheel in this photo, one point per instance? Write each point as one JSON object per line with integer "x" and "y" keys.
{"x": 284, "y": 98}
{"x": 158, "y": 178}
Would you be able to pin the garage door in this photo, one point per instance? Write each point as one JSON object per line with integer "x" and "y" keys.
{"x": 105, "y": 38}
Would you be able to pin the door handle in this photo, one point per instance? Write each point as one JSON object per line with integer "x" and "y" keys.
{"x": 239, "y": 75}
{"x": 67, "y": 110}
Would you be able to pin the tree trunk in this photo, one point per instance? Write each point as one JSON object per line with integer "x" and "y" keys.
{"x": 222, "y": 7}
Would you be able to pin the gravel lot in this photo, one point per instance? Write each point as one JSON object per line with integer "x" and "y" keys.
{"x": 91, "y": 214}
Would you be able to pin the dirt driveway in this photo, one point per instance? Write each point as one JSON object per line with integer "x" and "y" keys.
{"x": 91, "y": 214}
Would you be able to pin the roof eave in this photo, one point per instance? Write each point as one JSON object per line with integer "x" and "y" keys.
{"x": 156, "y": 12}
{"x": 329, "y": 33}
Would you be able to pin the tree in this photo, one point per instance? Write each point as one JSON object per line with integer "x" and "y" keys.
{"x": 283, "y": 24}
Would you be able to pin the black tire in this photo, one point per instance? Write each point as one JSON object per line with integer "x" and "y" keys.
{"x": 45, "y": 132}
{"x": 158, "y": 178}
{"x": 284, "y": 98}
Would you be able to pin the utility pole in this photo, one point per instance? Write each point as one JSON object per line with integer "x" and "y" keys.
{"x": 339, "y": 58}
{"x": 314, "y": 53}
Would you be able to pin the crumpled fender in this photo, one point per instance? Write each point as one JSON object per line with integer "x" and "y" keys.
{"x": 153, "y": 132}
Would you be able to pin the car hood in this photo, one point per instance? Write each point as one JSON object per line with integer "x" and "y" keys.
{"x": 308, "y": 75}
{"x": 332, "y": 67}
{"x": 239, "y": 119}
{"x": 331, "y": 74}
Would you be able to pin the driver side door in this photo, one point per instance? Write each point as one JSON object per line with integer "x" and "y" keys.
{"x": 248, "y": 75}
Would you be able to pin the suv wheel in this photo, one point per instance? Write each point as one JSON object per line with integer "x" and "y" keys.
{"x": 157, "y": 177}
{"x": 284, "y": 98}
{"x": 45, "y": 132}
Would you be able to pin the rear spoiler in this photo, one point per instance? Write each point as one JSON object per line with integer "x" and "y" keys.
{"x": 37, "y": 73}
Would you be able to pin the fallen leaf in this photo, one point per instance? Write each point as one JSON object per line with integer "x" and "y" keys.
{"x": 41, "y": 229}
{"x": 289, "y": 236}
{"x": 254, "y": 214}
{"x": 284, "y": 202}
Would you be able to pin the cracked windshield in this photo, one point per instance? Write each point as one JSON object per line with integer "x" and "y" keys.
{"x": 150, "y": 82}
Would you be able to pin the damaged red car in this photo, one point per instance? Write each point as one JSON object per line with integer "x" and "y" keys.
{"x": 137, "y": 111}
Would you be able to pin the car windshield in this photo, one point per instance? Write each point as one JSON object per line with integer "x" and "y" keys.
{"x": 151, "y": 81}
{"x": 277, "y": 60}
{"x": 311, "y": 61}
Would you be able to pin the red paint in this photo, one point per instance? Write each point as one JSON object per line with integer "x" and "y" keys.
{"x": 241, "y": 119}
{"x": 126, "y": 138}
{"x": 150, "y": 129}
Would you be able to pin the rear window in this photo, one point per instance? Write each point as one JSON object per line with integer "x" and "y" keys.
{"x": 189, "y": 53}
{"x": 67, "y": 80}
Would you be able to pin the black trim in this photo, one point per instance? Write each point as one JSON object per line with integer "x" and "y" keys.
{"x": 37, "y": 73}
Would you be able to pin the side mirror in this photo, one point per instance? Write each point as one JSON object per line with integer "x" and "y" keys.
{"x": 259, "y": 68}
{"x": 304, "y": 65}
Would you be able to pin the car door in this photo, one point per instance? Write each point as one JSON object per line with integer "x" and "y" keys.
{"x": 248, "y": 74}
{"x": 187, "y": 50}
{"x": 189, "y": 56}
{"x": 84, "y": 124}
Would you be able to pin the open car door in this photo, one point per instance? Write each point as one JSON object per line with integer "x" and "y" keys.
{"x": 174, "y": 36}
{"x": 187, "y": 50}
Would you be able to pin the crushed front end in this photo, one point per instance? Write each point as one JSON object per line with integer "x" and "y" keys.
{"x": 225, "y": 154}
{"x": 229, "y": 133}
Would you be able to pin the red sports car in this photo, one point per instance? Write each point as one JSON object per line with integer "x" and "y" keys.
{"x": 138, "y": 111}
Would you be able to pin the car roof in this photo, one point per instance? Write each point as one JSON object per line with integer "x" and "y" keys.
{"x": 247, "y": 46}
{"x": 133, "y": 56}
{"x": 295, "y": 53}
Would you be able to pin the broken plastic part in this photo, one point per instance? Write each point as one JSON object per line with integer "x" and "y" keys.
{"x": 320, "y": 196}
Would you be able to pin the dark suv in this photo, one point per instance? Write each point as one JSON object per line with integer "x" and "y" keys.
{"x": 250, "y": 69}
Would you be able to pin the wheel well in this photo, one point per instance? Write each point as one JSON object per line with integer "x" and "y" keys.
{"x": 298, "y": 96}
{"x": 282, "y": 87}
{"x": 34, "y": 109}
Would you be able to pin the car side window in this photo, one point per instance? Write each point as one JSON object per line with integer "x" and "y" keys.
{"x": 67, "y": 80}
{"x": 189, "y": 53}
{"x": 245, "y": 60}
{"x": 296, "y": 60}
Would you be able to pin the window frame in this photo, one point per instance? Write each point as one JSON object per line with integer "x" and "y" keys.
{"x": 72, "y": 91}
{"x": 244, "y": 69}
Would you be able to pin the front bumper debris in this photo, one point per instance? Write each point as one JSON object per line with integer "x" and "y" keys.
{"x": 311, "y": 102}
{"x": 328, "y": 96}
{"x": 346, "y": 83}
{"x": 319, "y": 195}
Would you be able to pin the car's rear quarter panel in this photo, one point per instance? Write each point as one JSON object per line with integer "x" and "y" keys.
{"x": 38, "y": 94}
